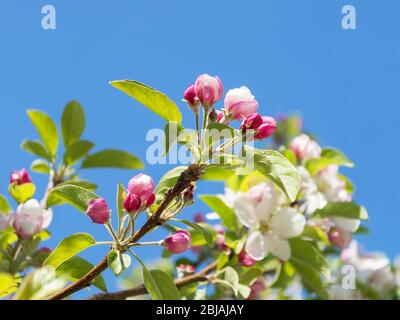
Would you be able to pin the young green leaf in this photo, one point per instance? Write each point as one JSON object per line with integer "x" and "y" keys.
{"x": 276, "y": 167}
{"x": 7, "y": 282}
{"x": 4, "y": 206}
{"x": 76, "y": 267}
{"x": 36, "y": 148}
{"x": 171, "y": 131}
{"x": 343, "y": 209}
{"x": 159, "y": 285}
{"x": 120, "y": 205}
{"x": 311, "y": 265}
{"x": 111, "y": 158}
{"x": 118, "y": 262}
{"x": 22, "y": 192}
{"x": 46, "y": 129}
{"x": 72, "y": 123}
{"x": 156, "y": 101}
{"x": 77, "y": 151}
{"x": 328, "y": 157}
{"x": 167, "y": 181}
{"x": 226, "y": 213}
{"x": 208, "y": 235}
{"x": 69, "y": 247}
{"x": 76, "y": 196}
{"x": 40, "y": 166}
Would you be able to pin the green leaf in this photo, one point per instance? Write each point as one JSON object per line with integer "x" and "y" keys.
{"x": 217, "y": 173}
{"x": 343, "y": 209}
{"x": 250, "y": 275}
{"x": 328, "y": 157}
{"x": 311, "y": 265}
{"x": 156, "y": 101}
{"x": 46, "y": 129}
{"x": 7, "y": 282}
{"x": 204, "y": 229}
{"x": 118, "y": 262}
{"x": 40, "y": 166}
{"x": 74, "y": 195}
{"x": 230, "y": 279}
{"x": 159, "y": 285}
{"x": 120, "y": 205}
{"x": 4, "y": 206}
{"x": 226, "y": 213}
{"x": 69, "y": 247}
{"x": 72, "y": 123}
{"x": 77, "y": 151}
{"x": 276, "y": 167}
{"x": 167, "y": 181}
{"x": 80, "y": 183}
{"x": 76, "y": 267}
{"x": 112, "y": 158}
{"x": 315, "y": 233}
{"x": 36, "y": 148}
{"x": 23, "y": 192}
{"x": 171, "y": 131}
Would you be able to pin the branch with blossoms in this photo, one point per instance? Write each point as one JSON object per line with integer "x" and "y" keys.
{"x": 284, "y": 223}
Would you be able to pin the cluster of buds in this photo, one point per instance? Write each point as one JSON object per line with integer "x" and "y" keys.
{"x": 178, "y": 242}
{"x": 263, "y": 126}
{"x": 140, "y": 194}
{"x": 20, "y": 177}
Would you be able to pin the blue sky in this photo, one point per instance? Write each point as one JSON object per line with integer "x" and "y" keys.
{"x": 294, "y": 56}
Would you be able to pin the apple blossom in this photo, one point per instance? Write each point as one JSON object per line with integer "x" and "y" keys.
{"x": 143, "y": 186}
{"x": 208, "y": 90}
{"x": 245, "y": 260}
{"x": 240, "y": 103}
{"x": 178, "y": 242}
{"x": 20, "y": 177}
{"x": 332, "y": 185}
{"x": 251, "y": 121}
{"x": 266, "y": 129}
{"x": 132, "y": 203}
{"x": 30, "y": 218}
{"x": 98, "y": 211}
{"x": 304, "y": 147}
{"x": 339, "y": 238}
{"x": 269, "y": 225}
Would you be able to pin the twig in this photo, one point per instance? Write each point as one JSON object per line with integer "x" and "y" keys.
{"x": 192, "y": 173}
{"x": 141, "y": 290}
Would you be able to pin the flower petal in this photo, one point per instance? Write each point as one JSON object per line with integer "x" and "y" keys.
{"x": 255, "y": 246}
{"x": 244, "y": 211}
{"x": 287, "y": 223}
{"x": 278, "y": 247}
{"x": 346, "y": 224}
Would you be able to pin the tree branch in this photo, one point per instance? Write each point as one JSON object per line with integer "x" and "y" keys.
{"x": 141, "y": 290}
{"x": 191, "y": 174}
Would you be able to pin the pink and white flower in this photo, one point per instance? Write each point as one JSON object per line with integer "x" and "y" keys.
{"x": 30, "y": 218}
{"x": 239, "y": 103}
{"x": 208, "y": 89}
{"x": 270, "y": 226}
{"x": 304, "y": 147}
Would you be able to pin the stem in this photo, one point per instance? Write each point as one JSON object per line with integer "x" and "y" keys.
{"x": 141, "y": 290}
{"x": 192, "y": 173}
{"x": 111, "y": 231}
{"x": 197, "y": 128}
{"x": 150, "y": 243}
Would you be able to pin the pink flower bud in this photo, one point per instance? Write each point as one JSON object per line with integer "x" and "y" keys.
{"x": 220, "y": 116}
{"x": 245, "y": 260}
{"x": 266, "y": 129}
{"x": 178, "y": 242}
{"x": 252, "y": 121}
{"x": 199, "y": 217}
{"x": 256, "y": 288}
{"x": 142, "y": 185}
{"x": 20, "y": 177}
{"x": 98, "y": 211}
{"x": 45, "y": 250}
{"x": 240, "y": 103}
{"x": 339, "y": 238}
{"x": 185, "y": 268}
{"x": 150, "y": 201}
{"x": 132, "y": 203}
{"x": 190, "y": 96}
{"x": 304, "y": 147}
{"x": 30, "y": 218}
{"x": 208, "y": 90}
